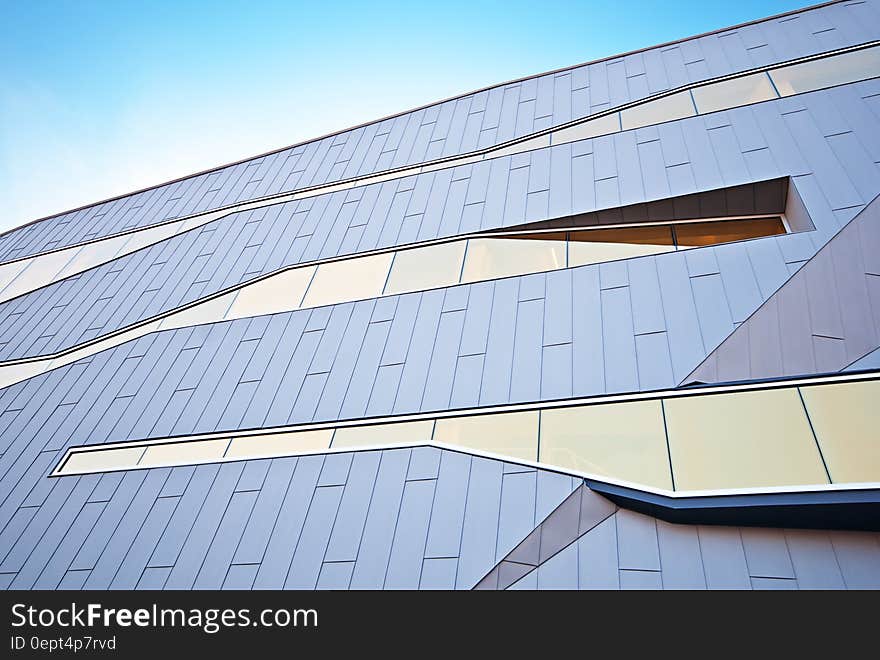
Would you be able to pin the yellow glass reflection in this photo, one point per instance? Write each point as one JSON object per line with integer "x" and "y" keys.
{"x": 181, "y": 453}
{"x": 281, "y": 292}
{"x": 734, "y": 92}
{"x": 846, "y": 419}
{"x": 402, "y": 433}
{"x": 828, "y": 71}
{"x": 598, "y": 245}
{"x": 714, "y": 233}
{"x": 623, "y": 441}
{"x": 668, "y": 108}
{"x": 102, "y": 460}
{"x": 509, "y": 434}
{"x": 279, "y": 444}
{"x": 348, "y": 279}
{"x": 742, "y": 440}
{"x": 426, "y": 267}
{"x": 491, "y": 258}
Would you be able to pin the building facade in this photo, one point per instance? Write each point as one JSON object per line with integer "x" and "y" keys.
{"x": 613, "y": 326}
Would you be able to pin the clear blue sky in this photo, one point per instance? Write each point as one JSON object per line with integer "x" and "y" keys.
{"x": 99, "y": 98}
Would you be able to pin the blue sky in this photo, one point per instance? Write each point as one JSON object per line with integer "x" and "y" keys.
{"x": 99, "y": 98}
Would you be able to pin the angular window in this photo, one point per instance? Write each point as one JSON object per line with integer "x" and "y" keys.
{"x": 734, "y": 92}
{"x": 827, "y": 72}
{"x": 593, "y": 128}
{"x": 508, "y": 434}
{"x": 281, "y": 292}
{"x": 279, "y": 444}
{"x": 102, "y": 460}
{"x": 349, "y": 279}
{"x": 668, "y": 108}
{"x": 742, "y": 440}
{"x": 846, "y": 419}
{"x": 209, "y": 311}
{"x": 491, "y": 258}
{"x": 426, "y": 268}
{"x": 622, "y": 441}
{"x": 402, "y": 433}
{"x": 717, "y": 232}
{"x": 181, "y": 453}
{"x": 598, "y": 245}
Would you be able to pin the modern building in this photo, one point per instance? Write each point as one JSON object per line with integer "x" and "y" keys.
{"x": 612, "y": 326}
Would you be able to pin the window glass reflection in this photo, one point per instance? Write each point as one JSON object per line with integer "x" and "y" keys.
{"x": 623, "y": 441}
{"x": 828, "y": 71}
{"x": 426, "y": 268}
{"x": 734, "y": 92}
{"x": 742, "y": 440}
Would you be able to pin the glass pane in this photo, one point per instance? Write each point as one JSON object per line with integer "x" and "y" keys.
{"x": 281, "y": 292}
{"x": 624, "y": 441}
{"x": 742, "y": 440}
{"x": 827, "y": 72}
{"x": 403, "y": 433}
{"x": 279, "y": 444}
{"x": 210, "y": 311}
{"x": 846, "y": 419}
{"x": 426, "y": 268}
{"x": 349, "y": 279}
{"x": 10, "y": 271}
{"x": 668, "y": 108}
{"x": 734, "y": 92}
{"x": 542, "y": 236}
{"x": 713, "y": 233}
{"x": 598, "y": 245}
{"x": 92, "y": 254}
{"x": 491, "y": 258}
{"x": 654, "y": 235}
{"x": 181, "y": 453}
{"x": 593, "y": 128}
{"x": 40, "y": 271}
{"x": 508, "y": 434}
{"x": 102, "y": 460}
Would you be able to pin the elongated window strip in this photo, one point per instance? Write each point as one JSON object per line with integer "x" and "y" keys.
{"x": 736, "y": 437}
{"x": 418, "y": 268}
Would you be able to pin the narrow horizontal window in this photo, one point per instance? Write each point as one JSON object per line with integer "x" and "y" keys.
{"x": 667, "y": 108}
{"x": 493, "y": 258}
{"x": 827, "y": 71}
{"x": 348, "y": 279}
{"x": 278, "y": 293}
{"x": 426, "y": 268}
{"x": 622, "y": 441}
{"x": 508, "y": 434}
{"x": 735, "y": 92}
{"x": 715, "y": 233}
{"x": 738, "y": 437}
{"x": 846, "y": 419}
{"x": 742, "y": 440}
{"x": 599, "y": 245}
{"x": 383, "y": 434}
{"x": 278, "y": 444}
{"x": 175, "y": 453}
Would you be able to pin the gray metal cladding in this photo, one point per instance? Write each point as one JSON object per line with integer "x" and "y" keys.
{"x": 389, "y": 519}
{"x": 589, "y": 543}
{"x": 466, "y": 123}
{"x": 425, "y": 517}
{"x": 826, "y": 141}
{"x": 827, "y": 316}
